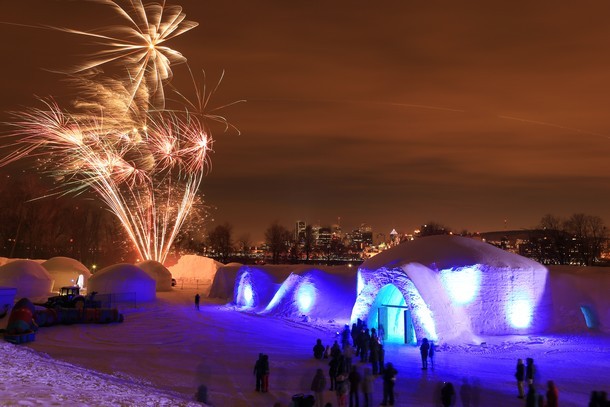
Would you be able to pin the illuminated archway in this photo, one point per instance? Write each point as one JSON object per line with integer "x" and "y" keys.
{"x": 391, "y": 316}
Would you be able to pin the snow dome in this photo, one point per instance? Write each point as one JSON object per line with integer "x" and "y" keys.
{"x": 66, "y": 271}
{"x": 124, "y": 279}
{"x": 255, "y": 286}
{"x": 319, "y": 293}
{"x": 223, "y": 285}
{"x": 28, "y": 276}
{"x": 451, "y": 288}
{"x": 159, "y": 273}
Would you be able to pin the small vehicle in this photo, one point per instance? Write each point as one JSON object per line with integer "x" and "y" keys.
{"x": 70, "y": 297}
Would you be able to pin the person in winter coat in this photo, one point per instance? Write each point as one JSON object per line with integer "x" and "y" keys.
{"x": 259, "y": 371}
{"x": 342, "y": 390}
{"x": 327, "y": 352}
{"x": 197, "y": 297}
{"x": 368, "y": 382}
{"x": 423, "y": 350}
{"x": 447, "y": 394}
{"x": 520, "y": 376}
{"x": 345, "y": 336}
{"x": 531, "y": 398}
{"x": 552, "y": 395}
{"x": 348, "y": 356}
{"x": 318, "y": 349}
{"x": 389, "y": 380}
{"x": 335, "y": 350}
{"x": 431, "y": 353}
{"x": 374, "y": 355}
{"x": 365, "y": 341}
{"x": 530, "y": 370}
{"x": 354, "y": 386}
{"x": 333, "y": 372}
{"x": 265, "y": 370}
{"x": 318, "y": 385}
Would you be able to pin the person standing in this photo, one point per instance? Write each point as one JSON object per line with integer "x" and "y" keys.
{"x": 318, "y": 349}
{"x": 423, "y": 350}
{"x": 318, "y": 385}
{"x": 374, "y": 355}
{"x": 197, "y": 298}
{"x": 520, "y": 376}
{"x": 258, "y": 372}
{"x": 431, "y": 353}
{"x": 530, "y": 370}
{"x": 333, "y": 372}
{"x": 342, "y": 390}
{"x": 552, "y": 395}
{"x": 389, "y": 380}
{"x": 354, "y": 386}
{"x": 348, "y": 355}
{"x": 368, "y": 382}
{"x": 531, "y": 399}
{"x": 447, "y": 394}
{"x": 265, "y": 369}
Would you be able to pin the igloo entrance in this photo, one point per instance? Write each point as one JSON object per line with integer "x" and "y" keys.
{"x": 391, "y": 316}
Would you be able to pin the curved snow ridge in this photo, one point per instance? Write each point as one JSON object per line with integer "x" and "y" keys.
{"x": 32, "y": 378}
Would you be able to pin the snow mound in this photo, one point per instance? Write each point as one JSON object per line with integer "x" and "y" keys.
{"x": 124, "y": 279}
{"x": 65, "y": 271}
{"x": 448, "y": 251}
{"x": 316, "y": 294}
{"x": 580, "y": 298}
{"x": 159, "y": 273}
{"x": 29, "y": 278}
{"x": 36, "y": 379}
{"x": 223, "y": 285}
{"x": 196, "y": 269}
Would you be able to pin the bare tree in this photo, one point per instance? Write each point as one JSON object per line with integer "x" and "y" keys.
{"x": 244, "y": 242}
{"x": 589, "y": 233}
{"x": 219, "y": 240}
{"x": 277, "y": 238}
{"x": 433, "y": 228}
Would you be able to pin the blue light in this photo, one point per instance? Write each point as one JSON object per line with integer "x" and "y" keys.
{"x": 306, "y": 296}
{"x": 245, "y": 292}
{"x": 462, "y": 284}
{"x": 248, "y": 295}
{"x": 520, "y": 311}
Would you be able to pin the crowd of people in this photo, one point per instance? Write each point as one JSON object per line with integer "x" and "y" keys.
{"x": 364, "y": 345}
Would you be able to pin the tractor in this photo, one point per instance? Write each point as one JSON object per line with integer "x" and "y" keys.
{"x": 70, "y": 297}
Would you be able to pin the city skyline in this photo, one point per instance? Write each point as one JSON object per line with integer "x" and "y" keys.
{"x": 481, "y": 117}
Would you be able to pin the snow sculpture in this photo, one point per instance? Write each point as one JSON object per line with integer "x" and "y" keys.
{"x": 455, "y": 288}
{"x": 124, "y": 279}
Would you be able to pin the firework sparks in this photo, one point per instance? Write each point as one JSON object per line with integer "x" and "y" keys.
{"x": 144, "y": 161}
{"x": 139, "y": 45}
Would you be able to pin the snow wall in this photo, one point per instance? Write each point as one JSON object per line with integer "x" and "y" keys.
{"x": 66, "y": 272}
{"x": 455, "y": 288}
{"x": 161, "y": 275}
{"x": 223, "y": 285}
{"x": 29, "y": 278}
{"x": 124, "y": 279}
{"x": 192, "y": 268}
{"x": 580, "y": 298}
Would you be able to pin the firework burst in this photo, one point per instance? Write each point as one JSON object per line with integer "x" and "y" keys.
{"x": 145, "y": 162}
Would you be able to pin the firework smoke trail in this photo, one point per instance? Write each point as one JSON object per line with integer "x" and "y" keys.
{"x": 145, "y": 162}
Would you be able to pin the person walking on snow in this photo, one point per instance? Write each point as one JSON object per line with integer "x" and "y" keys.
{"x": 318, "y": 385}
{"x": 520, "y": 376}
{"x": 423, "y": 349}
{"x": 197, "y": 298}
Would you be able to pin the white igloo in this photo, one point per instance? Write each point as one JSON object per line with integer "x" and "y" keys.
{"x": 159, "y": 273}
{"x": 451, "y": 288}
{"x": 124, "y": 279}
{"x": 67, "y": 272}
{"x": 223, "y": 285}
{"x": 29, "y": 278}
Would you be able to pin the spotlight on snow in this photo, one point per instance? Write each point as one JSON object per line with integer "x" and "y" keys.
{"x": 360, "y": 283}
{"x": 305, "y": 296}
{"x": 245, "y": 293}
{"x": 520, "y": 311}
{"x": 462, "y": 284}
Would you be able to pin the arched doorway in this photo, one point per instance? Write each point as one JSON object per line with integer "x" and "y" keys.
{"x": 390, "y": 315}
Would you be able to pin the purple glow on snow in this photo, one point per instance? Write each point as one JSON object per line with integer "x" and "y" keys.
{"x": 520, "y": 310}
{"x": 462, "y": 284}
{"x": 306, "y": 296}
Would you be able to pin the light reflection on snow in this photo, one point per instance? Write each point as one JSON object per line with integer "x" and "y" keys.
{"x": 245, "y": 293}
{"x": 462, "y": 284}
{"x": 305, "y": 296}
{"x": 520, "y": 311}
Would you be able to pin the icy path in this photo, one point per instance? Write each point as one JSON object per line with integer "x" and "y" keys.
{"x": 169, "y": 349}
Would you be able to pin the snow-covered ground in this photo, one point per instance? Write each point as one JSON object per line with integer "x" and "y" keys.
{"x": 165, "y": 350}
